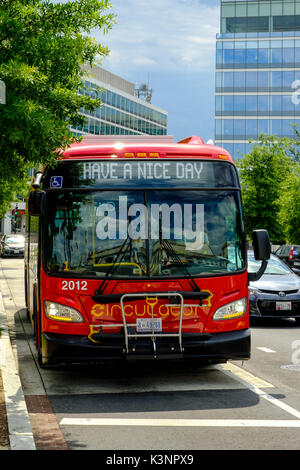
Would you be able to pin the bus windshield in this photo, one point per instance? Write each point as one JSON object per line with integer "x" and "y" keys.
{"x": 144, "y": 233}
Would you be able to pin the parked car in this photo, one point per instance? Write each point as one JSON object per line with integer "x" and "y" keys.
{"x": 290, "y": 254}
{"x": 277, "y": 293}
{"x": 12, "y": 245}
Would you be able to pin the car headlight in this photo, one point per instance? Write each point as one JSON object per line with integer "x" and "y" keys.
{"x": 235, "y": 309}
{"x": 253, "y": 290}
{"x": 61, "y": 312}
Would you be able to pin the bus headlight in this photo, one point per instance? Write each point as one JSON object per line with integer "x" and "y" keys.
{"x": 61, "y": 312}
{"x": 233, "y": 310}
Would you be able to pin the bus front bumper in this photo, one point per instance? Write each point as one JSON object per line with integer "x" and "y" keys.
{"x": 218, "y": 347}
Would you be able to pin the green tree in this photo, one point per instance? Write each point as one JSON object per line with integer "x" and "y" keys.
{"x": 289, "y": 200}
{"x": 262, "y": 174}
{"x": 43, "y": 46}
{"x": 295, "y": 144}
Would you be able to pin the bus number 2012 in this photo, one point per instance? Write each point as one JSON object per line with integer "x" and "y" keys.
{"x": 74, "y": 285}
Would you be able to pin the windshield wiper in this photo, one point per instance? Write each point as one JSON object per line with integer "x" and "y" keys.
{"x": 98, "y": 296}
{"x": 111, "y": 270}
{"x": 197, "y": 293}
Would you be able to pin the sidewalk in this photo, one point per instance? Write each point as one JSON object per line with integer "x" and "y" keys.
{"x": 30, "y": 421}
{"x": 15, "y": 428}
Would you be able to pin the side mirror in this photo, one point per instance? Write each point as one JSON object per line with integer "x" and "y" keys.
{"x": 261, "y": 245}
{"x": 37, "y": 203}
{"x": 37, "y": 180}
{"x": 262, "y": 252}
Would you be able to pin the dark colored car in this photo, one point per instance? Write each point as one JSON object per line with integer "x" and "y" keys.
{"x": 290, "y": 254}
{"x": 277, "y": 293}
{"x": 12, "y": 245}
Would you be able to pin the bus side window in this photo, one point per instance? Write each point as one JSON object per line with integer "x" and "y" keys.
{"x": 26, "y": 237}
{"x": 33, "y": 244}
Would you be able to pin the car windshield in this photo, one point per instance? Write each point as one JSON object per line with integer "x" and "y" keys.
{"x": 275, "y": 266}
{"x": 150, "y": 233}
{"x": 14, "y": 239}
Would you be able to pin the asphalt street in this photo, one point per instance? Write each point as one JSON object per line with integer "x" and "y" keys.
{"x": 156, "y": 405}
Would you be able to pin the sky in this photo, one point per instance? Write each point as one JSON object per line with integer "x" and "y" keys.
{"x": 169, "y": 44}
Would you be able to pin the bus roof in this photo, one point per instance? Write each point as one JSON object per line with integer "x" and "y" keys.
{"x": 143, "y": 146}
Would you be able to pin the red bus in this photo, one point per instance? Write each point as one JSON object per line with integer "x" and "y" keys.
{"x": 136, "y": 249}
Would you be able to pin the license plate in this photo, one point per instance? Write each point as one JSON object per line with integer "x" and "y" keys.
{"x": 148, "y": 325}
{"x": 283, "y": 305}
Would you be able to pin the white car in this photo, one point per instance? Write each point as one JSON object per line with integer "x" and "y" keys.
{"x": 277, "y": 293}
{"x": 12, "y": 245}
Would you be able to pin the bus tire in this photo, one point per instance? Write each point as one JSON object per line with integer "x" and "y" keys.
{"x": 26, "y": 296}
{"x": 36, "y": 334}
{"x": 40, "y": 360}
{"x": 35, "y": 319}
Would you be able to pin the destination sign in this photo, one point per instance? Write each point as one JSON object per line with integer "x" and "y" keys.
{"x": 106, "y": 174}
{"x": 141, "y": 171}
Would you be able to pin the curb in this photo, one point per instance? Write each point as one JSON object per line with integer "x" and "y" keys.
{"x": 19, "y": 427}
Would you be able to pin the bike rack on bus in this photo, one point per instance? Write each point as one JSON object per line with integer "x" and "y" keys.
{"x": 153, "y": 335}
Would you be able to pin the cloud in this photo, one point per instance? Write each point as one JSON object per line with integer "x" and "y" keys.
{"x": 143, "y": 61}
{"x": 163, "y": 35}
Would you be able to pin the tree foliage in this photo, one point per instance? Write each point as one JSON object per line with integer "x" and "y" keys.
{"x": 263, "y": 174}
{"x": 289, "y": 214}
{"x": 43, "y": 46}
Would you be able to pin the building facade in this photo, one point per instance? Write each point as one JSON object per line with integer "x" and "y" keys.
{"x": 257, "y": 72}
{"x": 122, "y": 113}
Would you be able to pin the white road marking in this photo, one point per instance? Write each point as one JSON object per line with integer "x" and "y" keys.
{"x": 229, "y": 369}
{"x": 180, "y": 422}
{"x": 267, "y": 350}
{"x": 242, "y": 376}
{"x": 293, "y": 367}
{"x": 246, "y": 379}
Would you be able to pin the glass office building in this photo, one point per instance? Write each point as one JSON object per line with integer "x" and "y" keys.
{"x": 121, "y": 113}
{"x": 257, "y": 71}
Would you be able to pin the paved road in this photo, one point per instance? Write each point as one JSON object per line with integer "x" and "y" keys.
{"x": 250, "y": 405}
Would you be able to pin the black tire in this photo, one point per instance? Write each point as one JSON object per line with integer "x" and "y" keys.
{"x": 40, "y": 360}
{"x": 36, "y": 332}
{"x": 34, "y": 317}
{"x": 26, "y": 296}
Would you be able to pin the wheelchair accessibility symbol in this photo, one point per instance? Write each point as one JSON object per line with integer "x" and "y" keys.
{"x": 56, "y": 182}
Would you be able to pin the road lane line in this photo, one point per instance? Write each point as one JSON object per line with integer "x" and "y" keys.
{"x": 278, "y": 423}
{"x": 267, "y": 350}
{"x": 250, "y": 381}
